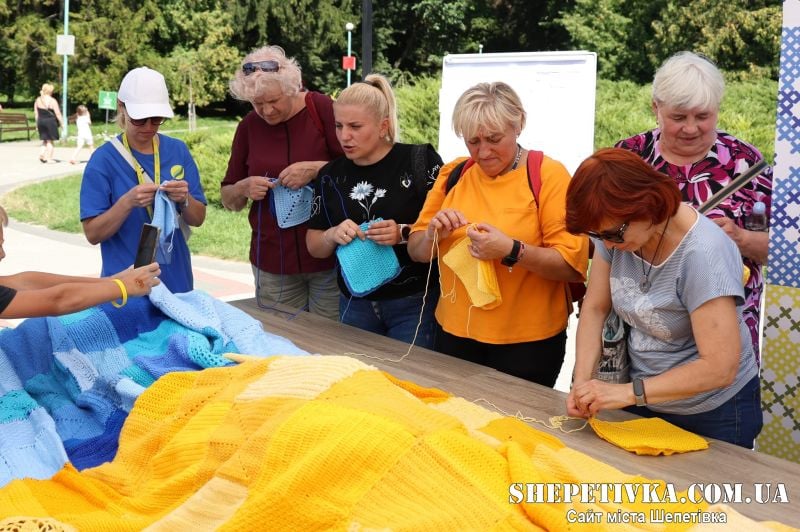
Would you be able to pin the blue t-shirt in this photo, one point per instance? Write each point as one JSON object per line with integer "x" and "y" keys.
{"x": 704, "y": 266}
{"x": 108, "y": 177}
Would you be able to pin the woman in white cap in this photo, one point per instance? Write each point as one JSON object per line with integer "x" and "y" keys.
{"x": 125, "y": 179}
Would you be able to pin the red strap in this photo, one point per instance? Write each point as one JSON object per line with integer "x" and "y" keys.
{"x": 466, "y": 166}
{"x": 535, "y": 159}
{"x": 312, "y": 112}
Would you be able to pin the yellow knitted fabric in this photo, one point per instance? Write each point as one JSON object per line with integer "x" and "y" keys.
{"x": 313, "y": 443}
{"x": 478, "y": 276}
{"x": 651, "y": 436}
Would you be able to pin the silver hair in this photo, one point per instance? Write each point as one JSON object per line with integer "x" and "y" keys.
{"x": 288, "y": 76}
{"x": 688, "y": 81}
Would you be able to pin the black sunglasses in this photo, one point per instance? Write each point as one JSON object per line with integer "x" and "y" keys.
{"x": 616, "y": 236}
{"x": 154, "y": 120}
{"x": 263, "y": 66}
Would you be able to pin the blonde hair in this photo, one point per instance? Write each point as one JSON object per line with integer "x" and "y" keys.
{"x": 288, "y": 76}
{"x": 688, "y": 81}
{"x": 81, "y": 110}
{"x": 490, "y": 107}
{"x": 47, "y": 90}
{"x": 375, "y": 95}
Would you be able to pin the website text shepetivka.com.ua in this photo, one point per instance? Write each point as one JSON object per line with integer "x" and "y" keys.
{"x": 655, "y": 493}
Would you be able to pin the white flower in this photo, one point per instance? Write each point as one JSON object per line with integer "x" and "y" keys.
{"x": 379, "y": 193}
{"x": 361, "y": 191}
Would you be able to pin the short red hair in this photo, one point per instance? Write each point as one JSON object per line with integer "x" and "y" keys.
{"x": 617, "y": 184}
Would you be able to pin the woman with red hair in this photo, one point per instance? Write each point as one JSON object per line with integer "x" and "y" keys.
{"x": 675, "y": 279}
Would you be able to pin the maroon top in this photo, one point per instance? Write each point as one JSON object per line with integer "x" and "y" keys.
{"x": 261, "y": 149}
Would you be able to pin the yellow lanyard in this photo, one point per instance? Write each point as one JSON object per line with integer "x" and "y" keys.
{"x": 138, "y": 167}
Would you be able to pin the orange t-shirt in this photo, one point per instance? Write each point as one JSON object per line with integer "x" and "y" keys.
{"x": 533, "y": 308}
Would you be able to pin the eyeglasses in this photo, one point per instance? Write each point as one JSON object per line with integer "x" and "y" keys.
{"x": 154, "y": 120}
{"x": 263, "y": 66}
{"x": 617, "y": 236}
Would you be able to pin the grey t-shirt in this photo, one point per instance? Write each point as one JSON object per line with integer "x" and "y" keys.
{"x": 704, "y": 266}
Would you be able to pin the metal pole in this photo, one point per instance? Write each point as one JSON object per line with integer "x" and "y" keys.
{"x": 366, "y": 38}
{"x": 349, "y": 27}
{"x": 64, "y": 112}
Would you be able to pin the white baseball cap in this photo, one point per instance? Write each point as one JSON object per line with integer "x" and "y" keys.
{"x": 144, "y": 93}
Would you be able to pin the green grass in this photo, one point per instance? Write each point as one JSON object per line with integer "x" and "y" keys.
{"x": 622, "y": 110}
{"x": 224, "y": 234}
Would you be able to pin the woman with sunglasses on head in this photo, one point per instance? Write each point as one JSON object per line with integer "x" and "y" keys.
{"x": 287, "y": 137}
{"x": 122, "y": 179}
{"x": 675, "y": 279}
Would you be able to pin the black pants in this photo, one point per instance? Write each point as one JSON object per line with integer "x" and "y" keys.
{"x": 538, "y": 361}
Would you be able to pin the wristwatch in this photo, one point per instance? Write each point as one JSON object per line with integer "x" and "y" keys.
{"x": 405, "y": 232}
{"x": 511, "y": 259}
{"x": 638, "y": 392}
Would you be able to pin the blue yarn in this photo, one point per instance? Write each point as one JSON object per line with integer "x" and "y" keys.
{"x": 67, "y": 384}
{"x": 366, "y": 266}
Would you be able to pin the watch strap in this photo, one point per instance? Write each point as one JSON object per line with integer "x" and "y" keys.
{"x": 512, "y": 258}
{"x": 639, "y": 393}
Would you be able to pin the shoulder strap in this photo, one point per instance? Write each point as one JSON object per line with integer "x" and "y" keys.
{"x": 317, "y": 119}
{"x": 535, "y": 159}
{"x": 419, "y": 163}
{"x": 313, "y": 113}
{"x": 455, "y": 175}
{"x": 128, "y": 157}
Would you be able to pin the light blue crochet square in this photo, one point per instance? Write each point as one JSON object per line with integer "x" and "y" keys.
{"x": 365, "y": 265}
{"x": 292, "y": 207}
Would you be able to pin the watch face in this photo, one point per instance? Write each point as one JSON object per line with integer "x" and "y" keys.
{"x": 405, "y": 232}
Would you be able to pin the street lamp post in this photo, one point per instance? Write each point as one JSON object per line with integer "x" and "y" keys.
{"x": 349, "y": 27}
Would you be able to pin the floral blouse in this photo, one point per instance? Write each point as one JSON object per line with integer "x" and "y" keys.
{"x": 726, "y": 159}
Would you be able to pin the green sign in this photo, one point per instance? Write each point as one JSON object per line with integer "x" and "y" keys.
{"x": 107, "y": 100}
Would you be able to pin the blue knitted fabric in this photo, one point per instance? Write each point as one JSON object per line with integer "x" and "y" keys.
{"x": 292, "y": 207}
{"x": 365, "y": 265}
{"x": 165, "y": 217}
{"x": 67, "y": 384}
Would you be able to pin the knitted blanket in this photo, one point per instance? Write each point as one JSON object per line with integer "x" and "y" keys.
{"x": 317, "y": 443}
{"x": 67, "y": 384}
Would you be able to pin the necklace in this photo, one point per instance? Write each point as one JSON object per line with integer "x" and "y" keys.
{"x": 644, "y": 284}
{"x": 516, "y": 158}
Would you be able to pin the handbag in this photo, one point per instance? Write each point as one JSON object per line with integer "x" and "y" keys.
{"x": 614, "y": 365}
{"x": 292, "y": 207}
{"x": 365, "y": 265}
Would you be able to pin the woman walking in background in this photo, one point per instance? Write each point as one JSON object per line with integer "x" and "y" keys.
{"x": 48, "y": 120}
{"x": 84, "y": 123}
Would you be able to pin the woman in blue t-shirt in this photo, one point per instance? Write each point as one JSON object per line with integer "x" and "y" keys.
{"x": 675, "y": 279}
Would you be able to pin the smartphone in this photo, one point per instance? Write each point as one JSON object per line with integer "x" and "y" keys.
{"x": 146, "y": 252}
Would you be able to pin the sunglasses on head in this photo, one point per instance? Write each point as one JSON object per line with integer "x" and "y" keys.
{"x": 154, "y": 120}
{"x": 263, "y": 66}
{"x": 617, "y": 236}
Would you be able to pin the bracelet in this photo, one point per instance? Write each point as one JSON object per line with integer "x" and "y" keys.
{"x": 124, "y": 294}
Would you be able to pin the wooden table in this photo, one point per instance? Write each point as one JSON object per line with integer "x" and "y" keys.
{"x": 722, "y": 463}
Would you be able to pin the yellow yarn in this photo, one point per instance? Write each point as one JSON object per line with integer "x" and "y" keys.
{"x": 650, "y": 436}
{"x": 478, "y": 276}
{"x": 314, "y": 443}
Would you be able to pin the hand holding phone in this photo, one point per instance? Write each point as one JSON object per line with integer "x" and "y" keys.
{"x": 146, "y": 252}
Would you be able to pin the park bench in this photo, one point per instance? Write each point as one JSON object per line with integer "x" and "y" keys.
{"x": 15, "y": 122}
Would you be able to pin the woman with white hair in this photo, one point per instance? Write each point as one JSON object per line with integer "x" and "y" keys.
{"x": 287, "y": 137}
{"x": 686, "y": 145}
